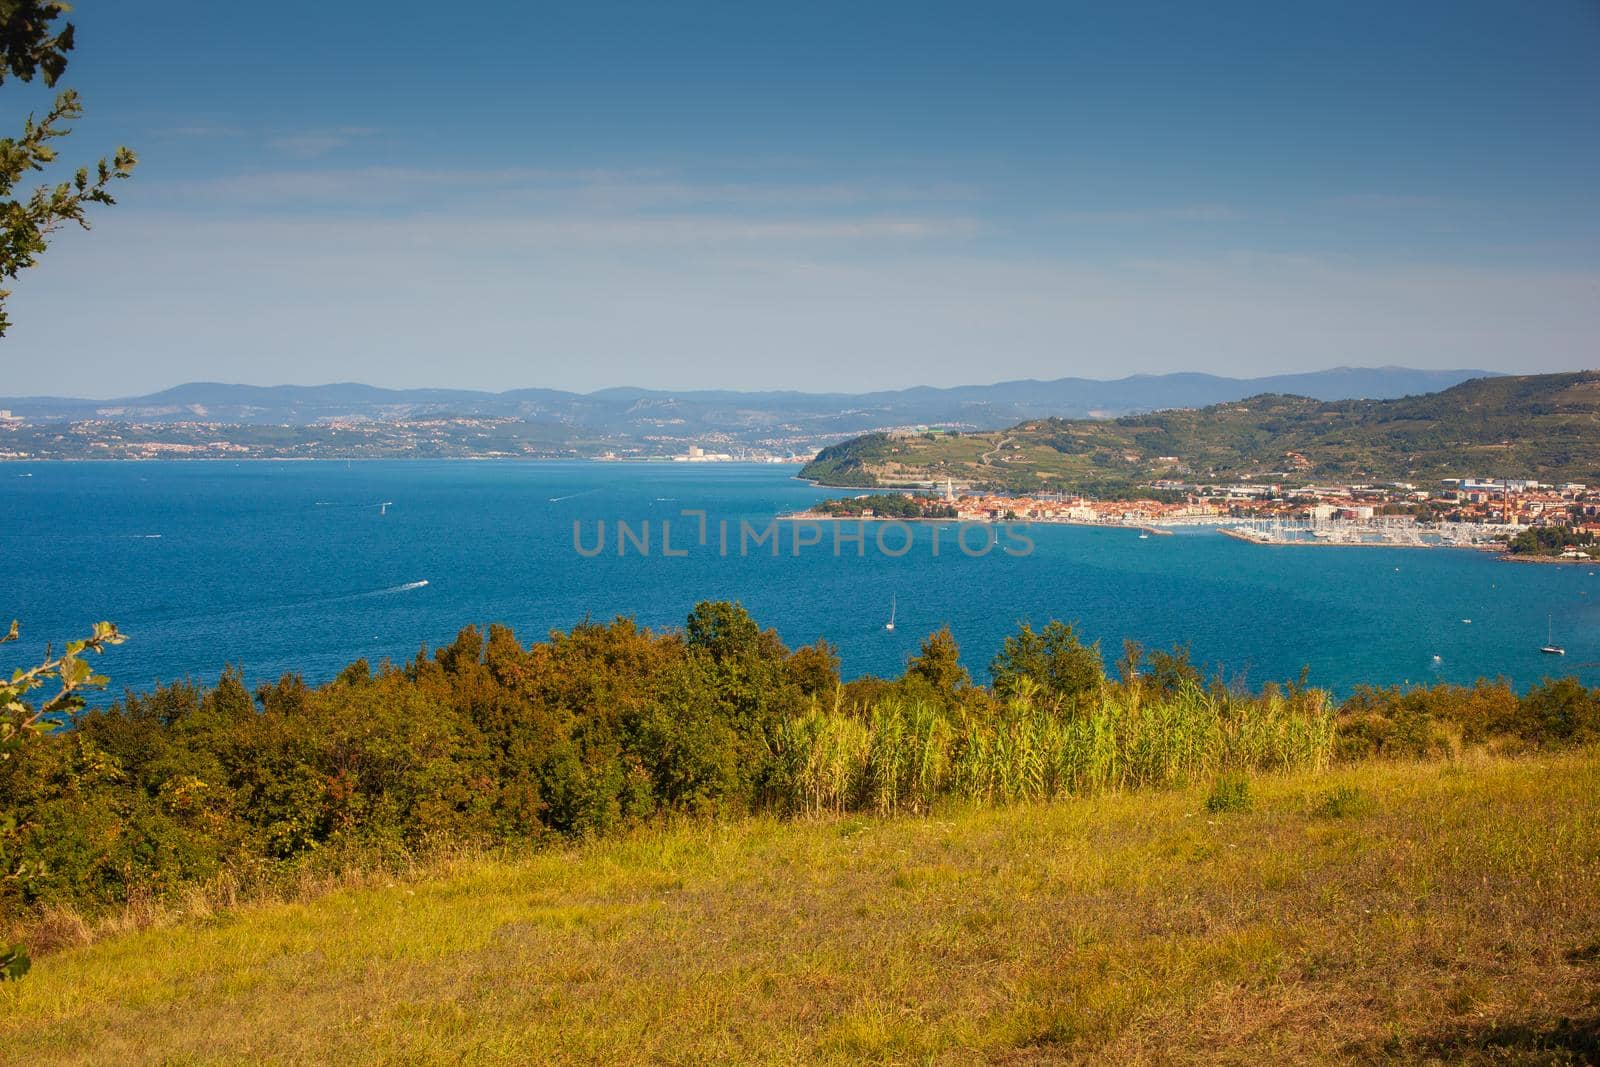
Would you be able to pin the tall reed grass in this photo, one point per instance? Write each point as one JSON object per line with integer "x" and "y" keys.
{"x": 905, "y": 756}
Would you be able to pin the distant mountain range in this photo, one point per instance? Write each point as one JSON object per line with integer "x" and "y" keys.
{"x": 740, "y": 417}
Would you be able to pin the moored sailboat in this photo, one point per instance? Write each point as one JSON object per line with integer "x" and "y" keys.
{"x": 1550, "y": 647}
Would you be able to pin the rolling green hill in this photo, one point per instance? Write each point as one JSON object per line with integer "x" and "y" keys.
{"x": 1539, "y": 426}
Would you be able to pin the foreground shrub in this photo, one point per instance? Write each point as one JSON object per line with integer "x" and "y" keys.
{"x": 1343, "y": 802}
{"x": 1435, "y": 722}
{"x": 1231, "y": 793}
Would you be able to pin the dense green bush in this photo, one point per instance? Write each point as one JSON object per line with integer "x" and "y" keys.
{"x": 1054, "y": 659}
{"x": 1230, "y": 793}
{"x": 1436, "y": 721}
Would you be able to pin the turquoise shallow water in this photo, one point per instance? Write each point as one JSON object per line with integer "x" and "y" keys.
{"x": 294, "y": 566}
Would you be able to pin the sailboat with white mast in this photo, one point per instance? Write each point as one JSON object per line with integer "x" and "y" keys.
{"x": 1550, "y": 647}
{"x": 890, "y": 624}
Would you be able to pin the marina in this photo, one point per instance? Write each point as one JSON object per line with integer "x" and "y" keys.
{"x": 1386, "y": 532}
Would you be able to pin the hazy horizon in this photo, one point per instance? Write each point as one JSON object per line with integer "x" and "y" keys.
{"x": 819, "y": 389}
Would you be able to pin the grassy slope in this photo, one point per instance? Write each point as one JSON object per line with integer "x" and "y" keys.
{"x": 1457, "y": 918}
{"x": 1534, "y": 426}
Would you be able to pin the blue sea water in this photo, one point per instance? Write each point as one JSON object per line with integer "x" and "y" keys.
{"x": 279, "y": 567}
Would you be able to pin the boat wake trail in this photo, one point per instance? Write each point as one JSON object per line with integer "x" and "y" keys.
{"x": 396, "y": 588}
{"x": 405, "y": 587}
{"x": 296, "y": 605}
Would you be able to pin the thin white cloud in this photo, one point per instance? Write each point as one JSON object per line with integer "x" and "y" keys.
{"x": 546, "y": 208}
{"x": 488, "y": 237}
{"x": 350, "y": 186}
{"x": 310, "y": 143}
{"x": 1149, "y": 215}
{"x": 613, "y": 190}
{"x": 199, "y": 130}
{"x": 1386, "y": 202}
{"x": 695, "y": 230}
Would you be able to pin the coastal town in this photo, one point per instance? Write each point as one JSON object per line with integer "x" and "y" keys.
{"x": 1520, "y": 517}
{"x": 453, "y": 437}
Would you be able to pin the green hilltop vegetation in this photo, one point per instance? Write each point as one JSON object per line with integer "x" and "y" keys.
{"x": 1538, "y": 426}
{"x": 887, "y": 505}
{"x": 702, "y": 845}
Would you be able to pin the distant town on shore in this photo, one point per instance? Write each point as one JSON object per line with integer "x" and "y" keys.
{"x": 1520, "y": 517}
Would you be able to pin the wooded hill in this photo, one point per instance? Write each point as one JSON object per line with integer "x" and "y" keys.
{"x": 1543, "y": 426}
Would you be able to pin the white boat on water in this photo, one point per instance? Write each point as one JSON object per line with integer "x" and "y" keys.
{"x": 1551, "y": 648}
{"x": 890, "y": 624}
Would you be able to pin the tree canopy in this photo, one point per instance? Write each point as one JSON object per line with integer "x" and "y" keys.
{"x": 1055, "y": 659}
{"x": 33, "y": 44}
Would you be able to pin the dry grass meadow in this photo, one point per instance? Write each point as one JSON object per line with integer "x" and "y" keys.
{"x": 1410, "y": 912}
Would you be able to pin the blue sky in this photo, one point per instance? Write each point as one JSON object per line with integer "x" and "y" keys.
{"x": 820, "y": 195}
